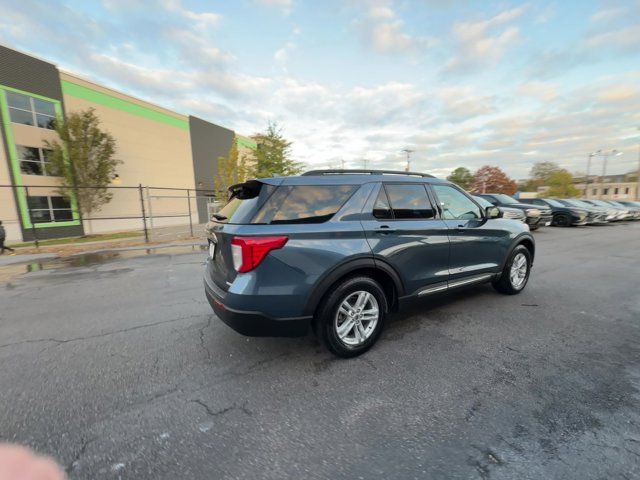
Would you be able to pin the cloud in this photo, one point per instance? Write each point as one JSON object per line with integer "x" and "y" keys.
{"x": 542, "y": 91}
{"x": 203, "y": 20}
{"x": 384, "y": 32}
{"x": 483, "y": 43}
{"x": 285, "y": 6}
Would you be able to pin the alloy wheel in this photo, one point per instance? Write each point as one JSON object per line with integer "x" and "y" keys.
{"x": 356, "y": 318}
{"x": 518, "y": 272}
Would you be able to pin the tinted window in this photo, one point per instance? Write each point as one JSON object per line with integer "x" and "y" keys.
{"x": 31, "y": 111}
{"x": 382, "y": 209}
{"x": 60, "y": 202}
{"x": 311, "y": 204}
{"x": 409, "y": 201}
{"x": 245, "y": 202}
{"x": 20, "y": 116}
{"x": 42, "y": 106}
{"x": 455, "y": 204}
{"x": 38, "y": 202}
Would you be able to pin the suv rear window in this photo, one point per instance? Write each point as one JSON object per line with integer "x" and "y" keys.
{"x": 246, "y": 199}
{"x": 304, "y": 204}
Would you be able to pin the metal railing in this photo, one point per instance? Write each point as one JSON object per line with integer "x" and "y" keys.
{"x": 29, "y": 211}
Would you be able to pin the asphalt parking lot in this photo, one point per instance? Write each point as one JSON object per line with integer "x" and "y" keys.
{"x": 117, "y": 367}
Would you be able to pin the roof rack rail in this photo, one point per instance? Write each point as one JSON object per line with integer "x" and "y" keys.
{"x": 364, "y": 172}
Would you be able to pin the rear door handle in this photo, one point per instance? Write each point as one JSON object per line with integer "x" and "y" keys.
{"x": 384, "y": 229}
{"x": 461, "y": 228}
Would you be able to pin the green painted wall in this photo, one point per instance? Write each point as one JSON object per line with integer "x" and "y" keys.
{"x": 85, "y": 93}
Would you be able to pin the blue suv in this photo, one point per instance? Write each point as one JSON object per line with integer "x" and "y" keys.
{"x": 336, "y": 250}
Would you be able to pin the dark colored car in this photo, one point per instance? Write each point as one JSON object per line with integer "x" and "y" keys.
{"x": 337, "y": 250}
{"x": 512, "y": 213}
{"x": 595, "y": 215}
{"x": 563, "y": 215}
{"x": 537, "y": 216}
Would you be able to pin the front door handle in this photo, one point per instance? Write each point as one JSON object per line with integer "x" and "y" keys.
{"x": 384, "y": 229}
{"x": 461, "y": 228}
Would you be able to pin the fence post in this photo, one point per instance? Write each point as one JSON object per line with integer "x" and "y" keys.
{"x": 33, "y": 225}
{"x": 150, "y": 211}
{"x": 189, "y": 204}
{"x": 144, "y": 215}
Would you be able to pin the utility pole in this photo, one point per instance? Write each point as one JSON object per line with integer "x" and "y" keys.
{"x": 586, "y": 180}
{"x": 638, "y": 179}
{"x": 364, "y": 162}
{"x": 408, "y": 152}
{"x": 612, "y": 153}
{"x": 342, "y": 163}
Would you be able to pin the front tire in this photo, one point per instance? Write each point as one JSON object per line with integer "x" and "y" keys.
{"x": 515, "y": 274}
{"x": 352, "y": 316}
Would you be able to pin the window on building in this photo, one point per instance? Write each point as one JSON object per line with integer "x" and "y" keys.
{"x": 594, "y": 191}
{"x": 35, "y": 161}
{"x": 31, "y": 111}
{"x": 455, "y": 204}
{"x": 605, "y": 191}
{"x": 626, "y": 191}
{"x": 49, "y": 209}
{"x": 615, "y": 191}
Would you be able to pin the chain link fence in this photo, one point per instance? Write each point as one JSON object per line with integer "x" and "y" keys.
{"x": 38, "y": 212}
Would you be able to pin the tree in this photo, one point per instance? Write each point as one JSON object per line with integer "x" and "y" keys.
{"x": 539, "y": 175}
{"x": 494, "y": 180}
{"x": 561, "y": 185}
{"x": 83, "y": 156}
{"x": 273, "y": 155}
{"x": 462, "y": 177}
{"x": 543, "y": 170}
{"x": 231, "y": 170}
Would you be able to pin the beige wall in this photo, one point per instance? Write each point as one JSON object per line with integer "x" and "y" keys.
{"x": 626, "y": 190}
{"x": 153, "y": 153}
{"x": 8, "y": 208}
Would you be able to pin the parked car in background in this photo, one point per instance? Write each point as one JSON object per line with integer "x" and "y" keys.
{"x": 615, "y": 213}
{"x": 634, "y": 212}
{"x": 633, "y": 206}
{"x": 537, "y": 216}
{"x": 595, "y": 215}
{"x": 507, "y": 212}
{"x": 337, "y": 250}
{"x": 563, "y": 215}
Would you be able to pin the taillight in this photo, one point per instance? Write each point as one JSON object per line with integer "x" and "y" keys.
{"x": 248, "y": 252}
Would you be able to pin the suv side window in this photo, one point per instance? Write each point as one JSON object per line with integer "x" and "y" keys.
{"x": 409, "y": 201}
{"x": 382, "y": 208}
{"x": 455, "y": 204}
{"x": 304, "y": 203}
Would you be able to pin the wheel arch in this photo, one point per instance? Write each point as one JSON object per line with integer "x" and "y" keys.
{"x": 527, "y": 241}
{"x": 379, "y": 270}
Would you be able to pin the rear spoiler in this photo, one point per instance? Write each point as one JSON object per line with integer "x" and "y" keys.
{"x": 250, "y": 188}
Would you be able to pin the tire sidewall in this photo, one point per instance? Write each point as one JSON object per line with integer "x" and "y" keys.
{"x": 507, "y": 270}
{"x": 327, "y": 313}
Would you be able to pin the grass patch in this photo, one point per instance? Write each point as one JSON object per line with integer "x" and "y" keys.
{"x": 85, "y": 239}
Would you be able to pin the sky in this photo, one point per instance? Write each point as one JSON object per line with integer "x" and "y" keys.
{"x": 355, "y": 82}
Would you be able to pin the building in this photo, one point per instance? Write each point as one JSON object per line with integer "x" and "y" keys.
{"x": 157, "y": 147}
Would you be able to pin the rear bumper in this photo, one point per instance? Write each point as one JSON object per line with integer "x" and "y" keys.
{"x": 254, "y": 324}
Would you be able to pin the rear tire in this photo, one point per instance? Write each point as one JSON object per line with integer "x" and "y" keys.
{"x": 350, "y": 319}
{"x": 562, "y": 220}
{"x": 515, "y": 274}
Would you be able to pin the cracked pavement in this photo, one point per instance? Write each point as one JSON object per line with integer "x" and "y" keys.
{"x": 119, "y": 370}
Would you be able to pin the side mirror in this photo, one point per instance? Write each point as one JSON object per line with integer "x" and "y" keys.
{"x": 493, "y": 212}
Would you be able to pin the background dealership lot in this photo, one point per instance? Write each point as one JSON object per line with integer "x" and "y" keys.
{"x": 118, "y": 382}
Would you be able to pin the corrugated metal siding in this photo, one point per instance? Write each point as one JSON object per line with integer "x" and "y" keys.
{"x": 208, "y": 142}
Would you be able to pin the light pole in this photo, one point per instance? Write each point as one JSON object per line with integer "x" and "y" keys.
{"x": 408, "y": 152}
{"x": 586, "y": 180}
{"x": 612, "y": 153}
